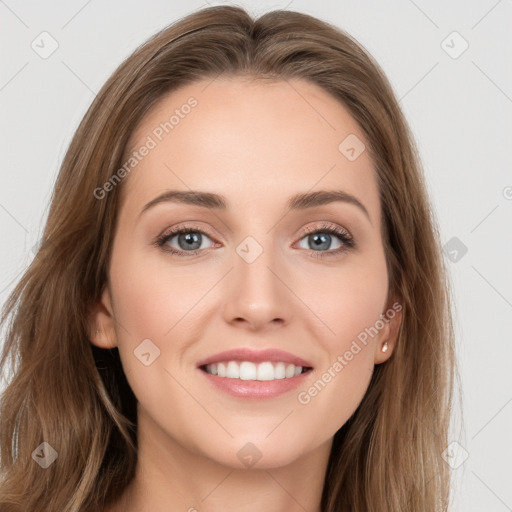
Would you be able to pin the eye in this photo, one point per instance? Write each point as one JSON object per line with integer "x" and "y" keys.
{"x": 189, "y": 240}
{"x": 321, "y": 237}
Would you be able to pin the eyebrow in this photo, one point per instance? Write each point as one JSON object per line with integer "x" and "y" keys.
{"x": 300, "y": 201}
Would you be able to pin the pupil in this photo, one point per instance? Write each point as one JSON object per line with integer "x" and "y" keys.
{"x": 190, "y": 239}
{"x": 321, "y": 240}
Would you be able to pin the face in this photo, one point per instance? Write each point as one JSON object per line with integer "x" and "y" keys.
{"x": 282, "y": 285}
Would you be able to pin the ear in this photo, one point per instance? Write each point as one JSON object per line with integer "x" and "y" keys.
{"x": 388, "y": 335}
{"x": 101, "y": 322}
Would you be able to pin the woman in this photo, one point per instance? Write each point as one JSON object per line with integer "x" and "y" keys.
{"x": 240, "y": 300}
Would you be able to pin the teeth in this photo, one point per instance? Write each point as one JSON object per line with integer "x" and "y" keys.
{"x": 246, "y": 370}
{"x": 265, "y": 371}
{"x": 279, "y": 371}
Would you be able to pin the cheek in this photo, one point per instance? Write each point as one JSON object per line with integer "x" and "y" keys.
{"x": 350, "y": 306}
{"x": 335, "y": 394}
{"x": 348, "y": 300}
{"x": 153, "y": 300}
{"x": 343, "y": 379}
{"x": 148, "y": 306}
{"x": 156, "y": 303}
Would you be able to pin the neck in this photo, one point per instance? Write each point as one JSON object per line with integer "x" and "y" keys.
{"x": 170, "y": 476}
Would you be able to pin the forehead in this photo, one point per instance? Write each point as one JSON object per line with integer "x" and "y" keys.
{"x": 250, "y": 141}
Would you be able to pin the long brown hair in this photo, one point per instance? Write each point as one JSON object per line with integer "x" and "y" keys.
{"x": 64, "y": 391}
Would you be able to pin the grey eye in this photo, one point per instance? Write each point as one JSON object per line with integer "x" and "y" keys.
{"x": 319, "y": 241}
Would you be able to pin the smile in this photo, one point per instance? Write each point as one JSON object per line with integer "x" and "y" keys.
{"x": 255, "y": 374}
{"x": 247, "y": 370}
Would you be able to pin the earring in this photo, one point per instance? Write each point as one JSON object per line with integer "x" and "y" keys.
{"x": 385, "y": 347}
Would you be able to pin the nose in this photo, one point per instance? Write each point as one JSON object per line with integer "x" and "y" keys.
{"x": 256, "y": 294}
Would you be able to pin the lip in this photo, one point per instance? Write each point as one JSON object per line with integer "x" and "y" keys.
{"x": 255, "y": 389}
{"x": 255, "y": 356}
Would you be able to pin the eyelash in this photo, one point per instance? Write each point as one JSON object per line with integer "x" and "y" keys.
{"x": 346, "y": 239}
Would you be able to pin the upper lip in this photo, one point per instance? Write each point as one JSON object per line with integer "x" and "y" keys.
{"x": 255, "y": 356}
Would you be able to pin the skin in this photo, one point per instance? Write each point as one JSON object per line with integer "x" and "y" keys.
{"x": 256, "y": 143}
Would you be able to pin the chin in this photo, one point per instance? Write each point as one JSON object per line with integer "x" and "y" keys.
{"x": 257, "y": 453}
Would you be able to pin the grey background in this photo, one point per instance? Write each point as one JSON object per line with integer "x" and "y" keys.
{"x": 459, "y": 108}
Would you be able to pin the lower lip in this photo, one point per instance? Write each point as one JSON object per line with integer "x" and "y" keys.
{"x": 256, "y": 389}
